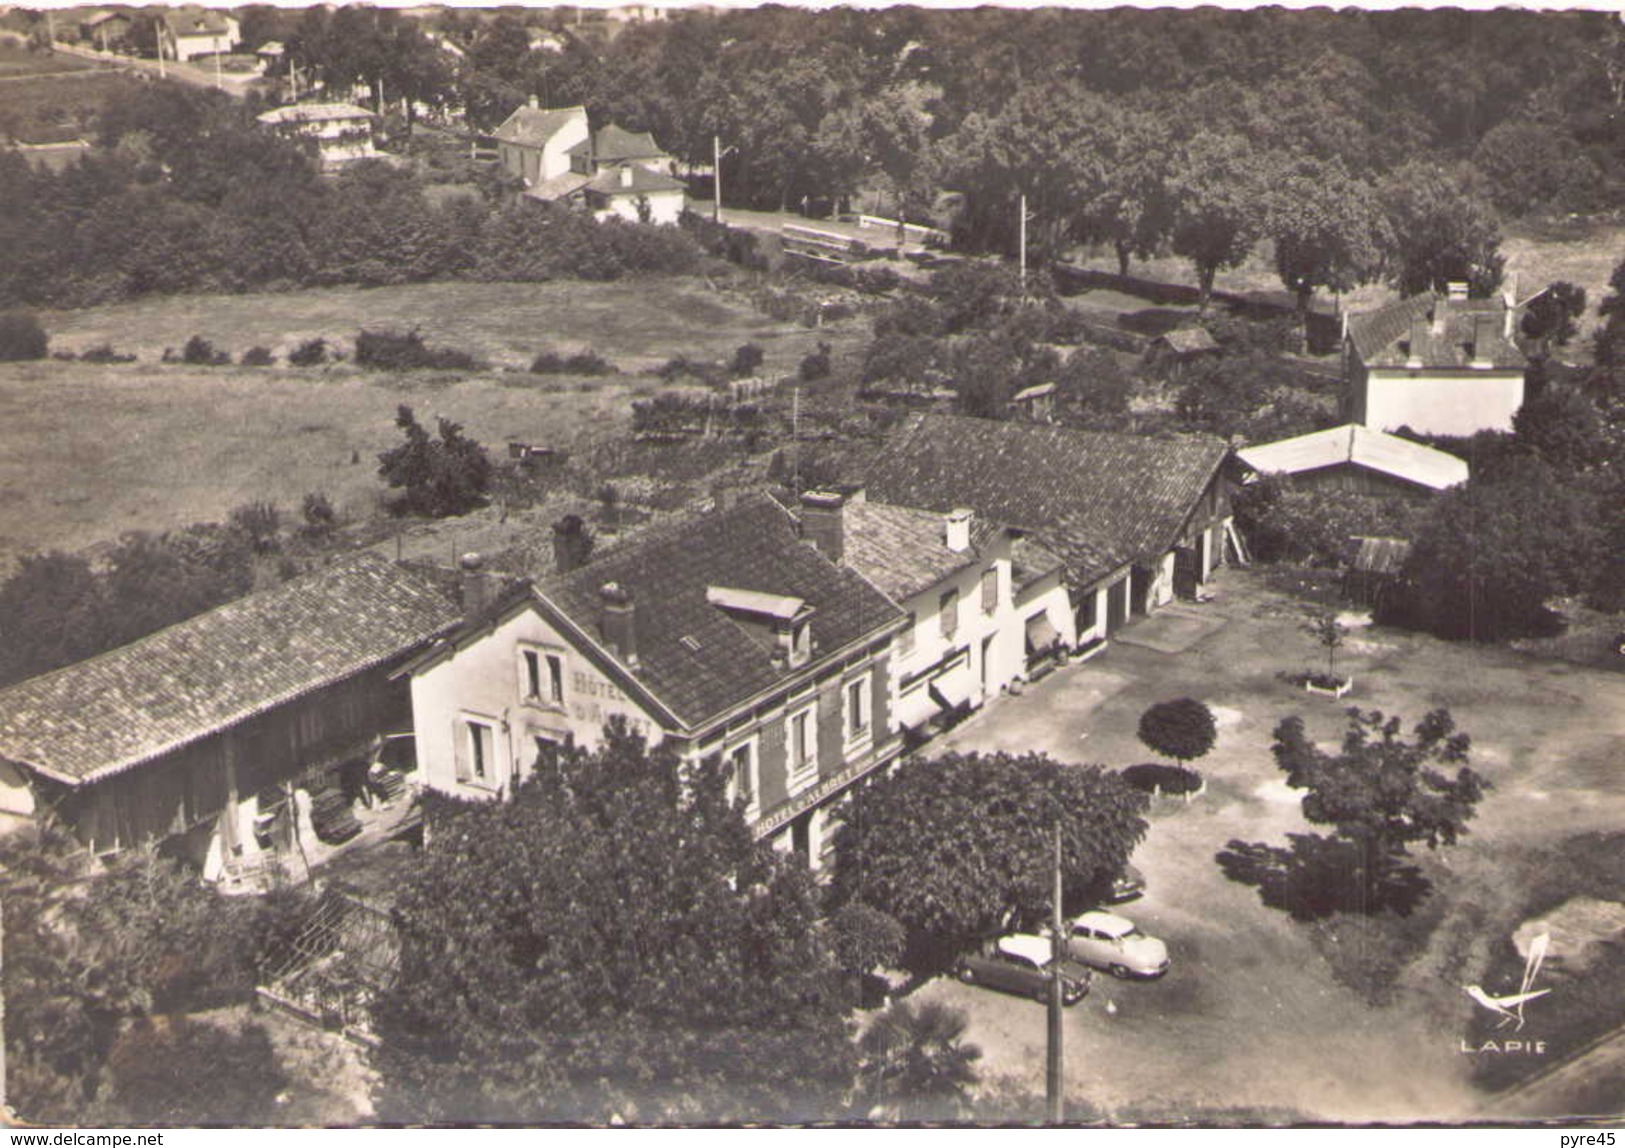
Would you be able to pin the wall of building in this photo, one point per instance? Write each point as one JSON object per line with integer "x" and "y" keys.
{"x": 1454, "y": 403}
{"x": 664, "y": 207}
{"x": 487, "y": 682}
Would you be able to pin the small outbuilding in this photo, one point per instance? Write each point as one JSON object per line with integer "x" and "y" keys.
{"x": 1357, "y": 459}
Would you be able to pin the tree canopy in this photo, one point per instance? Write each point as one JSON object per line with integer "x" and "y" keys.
{"x": 436, "y": 476}
{"x": 958, "y": 847}
{"x": 1182, "y": 729}
{"x": 611, "y": 944}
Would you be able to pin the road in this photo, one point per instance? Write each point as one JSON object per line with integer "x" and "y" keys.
{"x": 233, "y": 83}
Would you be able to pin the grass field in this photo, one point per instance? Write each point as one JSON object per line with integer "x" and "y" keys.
{"x": 636, "y": 325}
{"x": 17, "y": 61}
{"x": 87, "y": 452}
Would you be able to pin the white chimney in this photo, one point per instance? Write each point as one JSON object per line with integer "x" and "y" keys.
{"x": 958, "y": 529}
{"x": 534, "y": 102}
{"x": 626, "y": 176}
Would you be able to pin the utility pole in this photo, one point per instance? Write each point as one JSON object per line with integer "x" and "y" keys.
{"x": 795, "y": 440}
{"x": 1053, "y": 1087}
{"x": 716, "y": 179}
{"x": 158, "y": 33}
{"x": 1023, "y": 255}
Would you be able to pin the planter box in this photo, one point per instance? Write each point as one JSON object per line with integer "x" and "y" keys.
{"x": 1187, "y": 796}
{"x": 1326, "y": 692}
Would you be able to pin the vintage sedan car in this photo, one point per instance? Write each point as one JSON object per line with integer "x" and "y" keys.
{"x": 1106, "y": 941}
{"x": 1020, "y": 963}
{"x": 1126, "y": 886}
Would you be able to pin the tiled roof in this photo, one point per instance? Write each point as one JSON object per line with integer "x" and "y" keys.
{"x": 1030, "y": 560}
{"x": 610, "y": 181}
{"x": 1098, "y": 500}
{"x": 561, "y": 185}
{"x": 613, "y": 143}
{"x": 904, "y": 551}
{"x": 203, "y": 675}
{"x": 1382, "y": 338}
{"x": 1382, "y": 555}
{"x": 194, "y": 21}
{"x": 1362, "y": 446}
{"x": 1189, "y": 340}
{"x": 313, "y": 113}
{"x": 533, "y": 127}
{"x": 692, "y": 656}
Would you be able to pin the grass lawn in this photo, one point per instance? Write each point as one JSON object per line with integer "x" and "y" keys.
{"x": 635, "y": 324}
{"x": 87, "y": 452}
{"x": 19, "y": 61}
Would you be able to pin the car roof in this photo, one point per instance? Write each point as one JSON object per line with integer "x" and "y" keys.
{"x": 1026, "y": 945}
{"x": 1109, "y": 923}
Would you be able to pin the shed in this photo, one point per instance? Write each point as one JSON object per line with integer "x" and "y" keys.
{"x": 1376, "y": 567}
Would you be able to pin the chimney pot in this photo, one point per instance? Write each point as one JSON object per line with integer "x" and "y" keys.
{"x": 571, "y": 544}
{"x": 534, "y": 102}
{"x": 957, "y": 533}
{"x": 1484, "y": 325}
{"x": 1419, "y": 339}
{"x": 823, "y": 522}
{"x": 618, "y": 621}
{"x": 477, "y": 586}
{"x": 626, "y": 176}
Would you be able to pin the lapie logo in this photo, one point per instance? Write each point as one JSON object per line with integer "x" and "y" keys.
{"x": 1510, "y": 1006}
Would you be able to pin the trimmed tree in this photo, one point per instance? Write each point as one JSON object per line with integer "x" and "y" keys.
{"x": 1182, "y": 729}
{"x": 958, "y": 847}
{"x": 1382, "y": 793}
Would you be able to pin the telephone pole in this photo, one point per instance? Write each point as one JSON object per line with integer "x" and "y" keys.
{"x": 1053, "y": 1087}
{"x": 1023, "y": 254}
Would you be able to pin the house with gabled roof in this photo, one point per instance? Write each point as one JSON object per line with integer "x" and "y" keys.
{"x": 1357, "y": 459}
{"x": 726, "y": 637}
{"x": 533, "y": 144}
{"x": 1134, "y": 520}
{"x": 341, "y": 133}
{"x": 192, "y": 31}
{"x": 1438, "y": 363}
{"x": 197, "y": 731}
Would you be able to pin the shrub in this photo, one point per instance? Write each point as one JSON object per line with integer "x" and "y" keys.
{"x": 397, "y": 351}
{"x": 581, "y": 363}
{"x": 865, "y": 938}
{"x": 258, "y": 357}
{"x": 201, "y": 353}
{"x": 747, "y": 358}
{"x": 310, "y": 353}
{"x": 104, "y": 353}
{"x": 174, "y": 1071}
{"x": 438, "y": 477}
{"x": 816, "y": 365}
{"x": 320, "y": 519}
{"x": 1152, "y": 776}
{"x": 21, "y": 337}
{"x": 260, "y": 521}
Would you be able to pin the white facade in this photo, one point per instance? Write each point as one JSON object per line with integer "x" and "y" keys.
{"x": 1461, "y": 402}
{"x": 534, "y": 161}
{"x": 663, "y": 207}
{"x": 192, "y": 44}
{"x": 486, "y": 713}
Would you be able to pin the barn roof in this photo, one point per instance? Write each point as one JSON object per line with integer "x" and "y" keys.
{"x": 1098, "y": 500}
{"x": 1359, "y": 446}
{"x": 193, "y": 679}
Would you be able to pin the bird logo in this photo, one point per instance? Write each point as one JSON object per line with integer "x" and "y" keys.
{"x": 1510, "y": 1007}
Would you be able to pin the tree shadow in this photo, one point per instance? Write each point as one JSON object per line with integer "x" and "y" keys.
{"x": 1317, "y": 876}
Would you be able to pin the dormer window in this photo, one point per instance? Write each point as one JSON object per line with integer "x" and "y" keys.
{"x": 779, "y": 621}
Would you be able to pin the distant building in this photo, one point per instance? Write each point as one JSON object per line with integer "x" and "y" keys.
{"x": 726, "y": 638}
{"x": 534, "y": 143}
{"x": 1437, "y": 363}
{"x": 106, "y": 30}
{"x": 196, "y": 732}
{"x": 190, "y": 32}
{"x": 611, "y": 172}
{"x": 342, "y": 133}
{"x": 1172, "y": 353}
{"x": 1135, "y": 521}
{"x": 1357, "y": 459}
{"x": 54, "y": 157}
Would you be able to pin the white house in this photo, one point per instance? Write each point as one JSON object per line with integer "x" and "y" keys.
{"x": 534, "y": 143}
{"x": 191, "y": 32}
{"x": 1437, "y": 363}
{"x": 342, "y": 132}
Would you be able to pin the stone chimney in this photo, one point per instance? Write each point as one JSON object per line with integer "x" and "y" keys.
{"x": 823, "y": 522}
{"x": 533, "y": 101}
{"x": 1441, "y": 316}
{"x": 1419, "y": 340}
{"x": 617, "y": 623}
{"x": 957, "y": 529}
{"x": 478, "y": 586}
{"x": 1484, "y": 326}
{"x": 571, "y": 544}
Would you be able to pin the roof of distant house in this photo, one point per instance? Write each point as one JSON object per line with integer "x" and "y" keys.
{"x": 56, "y": 156}
{"x": 1361, "y": 446}
{"x": 1098, "y": 500}
{"x": 904, "y": 551}
{"x": 534, "y": 127}
{"x": 695, "y": 658}
{"x": 613, "y": 181}
{"x": 313, "y": 113}
{"x": 561, "y": 185}
{"x": 128, "y": 706}
{"x": 1382, "y": 338}
{"x": 613, "y": 144}
{"x": 196, "y": 21}
{"x": 1188, "y": 340}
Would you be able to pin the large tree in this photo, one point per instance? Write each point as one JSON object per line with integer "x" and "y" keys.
{"x": 611, "y": 944}
{"x": 1439, "y": 231}
{"x": 1216, "y": 189}
{"x": 437, "y": 477}
{"x": 959, "y": 846}
{"x": 1380, "y": 792}
{"x": 1326, "y": 231}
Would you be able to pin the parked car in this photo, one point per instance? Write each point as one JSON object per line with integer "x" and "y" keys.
{"x": 1127, "y": 885}
{"x": 1020, "y": 963}
{"x": 1107, "y": 941}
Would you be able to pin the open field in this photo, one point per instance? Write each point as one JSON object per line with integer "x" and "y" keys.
{"x": 87, "y": 452}
{"x": 1583, "y": 254}
{"x": 635, "y": 325}
{"x": 17, "y": 61}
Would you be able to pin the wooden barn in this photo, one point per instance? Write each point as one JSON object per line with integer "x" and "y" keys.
{"x": 193, "y": 732}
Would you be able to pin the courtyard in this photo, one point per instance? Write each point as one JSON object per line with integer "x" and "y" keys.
{"x": 1262, "y": 1017}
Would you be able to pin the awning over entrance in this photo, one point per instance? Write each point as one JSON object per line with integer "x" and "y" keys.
{"x": 916, "y": 707}
{"x": 1041, "y": 633}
